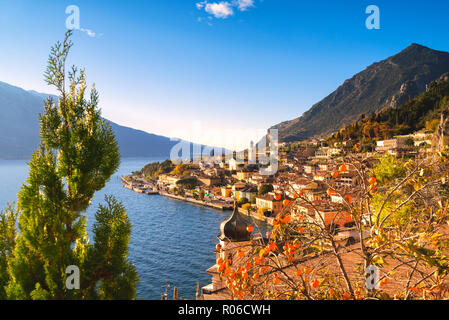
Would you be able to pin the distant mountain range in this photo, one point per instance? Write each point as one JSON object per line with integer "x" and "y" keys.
{"x": 385, "y": 84}
{"x": 19, "y": 128}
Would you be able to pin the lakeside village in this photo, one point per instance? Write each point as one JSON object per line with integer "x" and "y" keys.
{"x": 305, "y": 169}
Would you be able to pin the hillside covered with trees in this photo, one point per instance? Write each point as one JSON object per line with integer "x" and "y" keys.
{"x": 423, "y": 112}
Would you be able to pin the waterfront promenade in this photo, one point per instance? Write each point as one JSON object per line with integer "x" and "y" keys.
{"x": 144, "y": 187}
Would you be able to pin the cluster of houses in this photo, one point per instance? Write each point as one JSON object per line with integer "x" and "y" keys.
{"x": 306, "y": 170}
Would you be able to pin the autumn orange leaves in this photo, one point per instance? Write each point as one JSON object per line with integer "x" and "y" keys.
{"x": 373, "y": 185}
{"x": 290, "y": 249}
{"x": 341, "y": 169}
{"x": 281, "y": 220}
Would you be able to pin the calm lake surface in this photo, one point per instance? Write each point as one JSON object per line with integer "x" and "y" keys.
{"x": 170, "y": 240}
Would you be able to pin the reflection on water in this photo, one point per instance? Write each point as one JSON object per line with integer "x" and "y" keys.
{"x": 171, "y": 240}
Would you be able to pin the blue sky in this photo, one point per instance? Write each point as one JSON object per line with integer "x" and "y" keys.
{"x": 216, "y": 72}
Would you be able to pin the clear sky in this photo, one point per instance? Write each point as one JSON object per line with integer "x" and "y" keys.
{"x": 214, "y": 71}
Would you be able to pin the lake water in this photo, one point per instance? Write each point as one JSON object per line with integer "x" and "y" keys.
{"x": 170, "y": 240}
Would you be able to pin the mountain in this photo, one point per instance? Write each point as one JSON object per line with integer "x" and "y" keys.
{"x": 385, "y": 84}
{"x": 422, "y": 113}
{"x": 19, "y": 128}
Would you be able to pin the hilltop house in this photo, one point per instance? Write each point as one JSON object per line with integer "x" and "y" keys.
{"x": 327, "y": 152}
{"x": 396, "y": 147}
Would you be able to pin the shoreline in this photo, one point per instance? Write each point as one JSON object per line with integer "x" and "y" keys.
{"x": 217, "y": 206}
{"x": 199, "y": 202}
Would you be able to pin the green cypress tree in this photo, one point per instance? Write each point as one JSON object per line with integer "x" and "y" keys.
{"x": 77, "y": 155}
{"x": 8, "y": 220}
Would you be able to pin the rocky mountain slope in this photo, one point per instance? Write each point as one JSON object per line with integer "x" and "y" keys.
{"x": 384, "y": 84}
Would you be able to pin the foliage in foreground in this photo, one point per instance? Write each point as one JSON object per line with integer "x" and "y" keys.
{"x": 400, "y": 214}
{"x": 46, "y": 232}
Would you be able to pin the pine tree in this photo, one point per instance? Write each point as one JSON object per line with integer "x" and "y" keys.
{"x": 8, "y": 220}
{"x": 77, "y": 155}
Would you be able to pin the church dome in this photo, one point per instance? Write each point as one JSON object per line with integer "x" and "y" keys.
{"x": 234, "y": 229}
